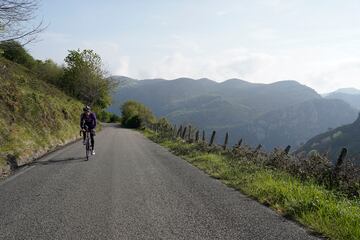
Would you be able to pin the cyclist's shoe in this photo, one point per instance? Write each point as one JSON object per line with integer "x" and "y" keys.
{"x": 93, "y": 152}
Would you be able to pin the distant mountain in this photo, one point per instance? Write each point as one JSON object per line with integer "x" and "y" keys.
{"x": 333, "y": 141}
{"x": 348, "y": 91}
{"x": 295, "y": 124}
{"x": 349, "y": 95}
{"x": 276, "y": 114}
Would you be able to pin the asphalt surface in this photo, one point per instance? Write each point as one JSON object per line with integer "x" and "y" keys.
{"x": 131, "y": 189}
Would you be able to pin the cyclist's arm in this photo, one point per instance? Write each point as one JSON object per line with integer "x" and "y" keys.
{"x": 81, "y": 121}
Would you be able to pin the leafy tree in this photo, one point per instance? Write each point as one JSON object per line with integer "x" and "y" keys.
{"x": 15, "y": 52}
{"x": 49, "y": 71}
{"x": 136, "y": 115}
{"x": 84, "y": 78}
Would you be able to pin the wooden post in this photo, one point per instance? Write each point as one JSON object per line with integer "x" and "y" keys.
{"x": 189, "y": 135}
{"x": 178, "y": 134}
{"x": 183, "y": 133}
{"x": 257, "y": 148}
{"x": 203, "y": 136}
{"x": 174, "y": 131}
{"x": 287, "y": 149}
{"x": 341, "y": 158}
{"x": 226, "y": 140}
{"x": 239, "y": 143}
{"x": 339, "y": 163}
{"x": 212, "y": 138}
{"x": 197, "y": 136}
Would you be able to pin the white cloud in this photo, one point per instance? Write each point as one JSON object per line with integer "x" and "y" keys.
{"x": 321, "y": 68}
{"x": 221, "y": 13}
{"x": 254, "y": 67}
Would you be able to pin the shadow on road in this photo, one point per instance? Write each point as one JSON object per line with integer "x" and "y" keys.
{"x": 59, "y": 161}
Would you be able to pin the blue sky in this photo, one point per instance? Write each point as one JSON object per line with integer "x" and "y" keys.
{"x": 315, "y": 42}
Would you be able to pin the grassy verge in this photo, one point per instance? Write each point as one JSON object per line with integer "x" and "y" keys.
{"x": 326, "y": 212}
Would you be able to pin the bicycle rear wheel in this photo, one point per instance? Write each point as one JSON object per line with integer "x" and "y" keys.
{"x": 87, "y": 148}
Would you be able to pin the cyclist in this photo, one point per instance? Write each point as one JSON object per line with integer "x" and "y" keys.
{"x": 88, "y": 119}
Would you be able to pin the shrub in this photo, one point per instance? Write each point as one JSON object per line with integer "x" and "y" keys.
{"x": 136, "y": 115}
{"x": 15, "y": 52}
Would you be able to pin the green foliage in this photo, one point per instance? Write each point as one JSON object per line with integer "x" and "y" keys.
{"x": 323, "y": 210}
{"x": 164, "y": 124}
{"x": 114, "y": 118}
{"x": 85, "y": 79}
{"x": 15, "y": 52}
{"x": 49, "y": 71}
{"x": 133, "y": 122}
{"x": 34, "y": 116}
{"x": 136, "y": 115}
{"x": 108, "y": 117}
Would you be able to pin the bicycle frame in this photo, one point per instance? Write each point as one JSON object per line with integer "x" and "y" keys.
{"x": 87, "y": 143}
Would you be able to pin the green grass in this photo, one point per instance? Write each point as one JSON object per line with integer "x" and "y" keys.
{"x": 34, "y": 115}
{"x": 323, "y": 211}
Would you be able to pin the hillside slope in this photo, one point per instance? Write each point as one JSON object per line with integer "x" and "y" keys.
{"x": 333, "y": 141}
{"x": 34, "y": 115}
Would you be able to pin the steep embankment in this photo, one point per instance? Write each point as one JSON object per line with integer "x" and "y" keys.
{"x": 34, "y": 116}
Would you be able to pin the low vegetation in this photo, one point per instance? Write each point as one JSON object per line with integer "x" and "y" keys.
{"x": 273, "y": 179}
{"x": 34, "y": 115}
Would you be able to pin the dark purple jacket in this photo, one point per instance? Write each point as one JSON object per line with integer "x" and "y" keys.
{"x": 88, "y": 120}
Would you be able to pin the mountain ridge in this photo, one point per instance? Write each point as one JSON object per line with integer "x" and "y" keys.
{"x": 239, "y": 106}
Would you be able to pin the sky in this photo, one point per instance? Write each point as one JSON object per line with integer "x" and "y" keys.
{"x": 315, "y": 42}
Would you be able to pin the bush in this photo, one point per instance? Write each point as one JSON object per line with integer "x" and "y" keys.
{"x": 114, "y": 118}
{"x": 133, "y": 122}
{"x": 136, "y": 115}
{"x": 103, "y": 116}
{"x": 49, "y": 71}
{"x": 15, "y": 52}
{"x": 108, "y": 117}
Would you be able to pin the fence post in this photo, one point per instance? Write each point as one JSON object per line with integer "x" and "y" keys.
{"x": 340, "y": 160}
{"x": 197, "y": 136}
{"x": 203, "y": 136}
{"x": 240, "y": 142}
{"x": 179, "y": 131}
{"x": 339, "y": 163}
{"x": 226, "y": 140}
{"x": 189, "y": 135}
{"x": 212, "y": 138}
{"x": 183, "y": 133}
{"x": 174, "y": 131}
{"x": 287, "y": 149}
{"x": 258, "y": 148}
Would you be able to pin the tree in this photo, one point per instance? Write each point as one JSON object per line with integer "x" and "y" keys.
{"x": 85, "y": 79}
{"x": 49, "y": 71}
{"x": 15, "y": 18}
{"x": 136, "y": 115}
{"x": 15, "y": 52}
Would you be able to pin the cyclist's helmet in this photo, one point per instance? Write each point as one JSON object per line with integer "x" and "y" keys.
{"x": 86, "y": 109}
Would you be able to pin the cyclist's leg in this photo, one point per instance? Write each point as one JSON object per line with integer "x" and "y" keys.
{"x": 92, "y": 134}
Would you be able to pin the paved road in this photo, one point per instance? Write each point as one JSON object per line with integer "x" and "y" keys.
{"x": 131, "y": 189}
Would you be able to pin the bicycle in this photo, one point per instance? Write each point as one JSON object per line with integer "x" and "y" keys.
{"x": 87, "y": 142}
